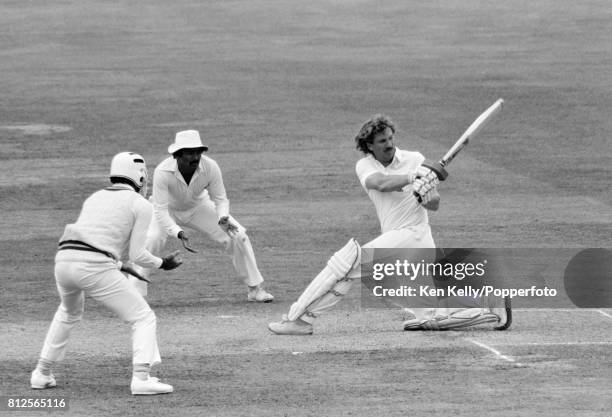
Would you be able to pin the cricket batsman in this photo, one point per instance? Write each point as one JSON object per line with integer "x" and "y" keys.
{"x": 391, "y": 177}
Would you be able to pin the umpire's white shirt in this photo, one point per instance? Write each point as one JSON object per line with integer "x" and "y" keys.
{"x": 114, "y": 220}
{"x": 396, "y": 209}
{"x": 172, "y": 195}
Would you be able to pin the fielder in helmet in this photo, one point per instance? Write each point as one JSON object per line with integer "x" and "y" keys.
{"x": 129, "y": 168}
{"x": 111, "y": 226}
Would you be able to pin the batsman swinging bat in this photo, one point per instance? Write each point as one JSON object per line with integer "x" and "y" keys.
{"x": 440, "y": 167}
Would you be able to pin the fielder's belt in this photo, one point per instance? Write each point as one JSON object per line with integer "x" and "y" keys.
{"x": 78, "y": 245}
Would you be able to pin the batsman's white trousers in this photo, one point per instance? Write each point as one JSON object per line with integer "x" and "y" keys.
{"x": 80, "y": 273}
{"x": 410, "y": 237}
{"x": 204, "y": 219}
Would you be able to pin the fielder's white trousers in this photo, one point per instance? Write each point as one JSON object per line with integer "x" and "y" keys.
{"x": 80, "y": 273}
{"x": 204, "y": 219}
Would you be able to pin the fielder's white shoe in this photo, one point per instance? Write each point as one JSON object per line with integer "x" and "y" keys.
{"x": 40, "y": 381}
{"x": 150, "y": 386}
{"x": 286, "y": 327}
{"x": 259, "y": 295}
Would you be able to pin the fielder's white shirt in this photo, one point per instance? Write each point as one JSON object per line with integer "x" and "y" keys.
{"x": 171, "y": 194}
{"x": 395, "y": 209}
{"x": 116, "y": 220}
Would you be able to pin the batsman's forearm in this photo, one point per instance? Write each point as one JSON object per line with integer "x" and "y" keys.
{"x": 388, "y": 183}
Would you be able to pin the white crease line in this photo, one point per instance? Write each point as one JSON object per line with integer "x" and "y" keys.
{"x": 563, "y": 310}
{"x": 557, "y": 343}
{"x": 495, "y": 351}
{"x": 603, "y": 313}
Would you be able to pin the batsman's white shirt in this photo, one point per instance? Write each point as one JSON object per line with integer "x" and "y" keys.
{"x": 115, "y": 220}
{"x": 404, "y": 224}
{"x": 171, "y": 194}
{"x": 397, "y": 209}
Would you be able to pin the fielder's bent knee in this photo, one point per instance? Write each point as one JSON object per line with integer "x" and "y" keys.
{"x": 239, "y": 239}
{"x": 150, "y": 318}
{"x": 143, "y": 315}
{"x": 65, "y": 316}
{"x": 240, "y": 236}
{"x": 146, "y": 320}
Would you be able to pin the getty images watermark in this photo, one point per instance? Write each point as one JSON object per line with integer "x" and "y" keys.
{"x": 445, "y": 269}
{"x": 537, "y": 278}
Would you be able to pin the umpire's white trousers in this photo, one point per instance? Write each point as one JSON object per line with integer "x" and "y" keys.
{"x": 204, "y": 219}
{"x": 80, "y": 273}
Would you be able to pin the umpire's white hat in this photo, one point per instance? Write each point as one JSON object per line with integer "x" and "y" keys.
{"x": 187, "y": 139}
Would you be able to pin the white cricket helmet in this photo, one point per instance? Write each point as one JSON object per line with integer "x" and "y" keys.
{"x": 131, "y": 166}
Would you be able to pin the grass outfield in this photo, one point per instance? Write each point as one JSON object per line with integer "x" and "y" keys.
{"x": 278, "y": 90}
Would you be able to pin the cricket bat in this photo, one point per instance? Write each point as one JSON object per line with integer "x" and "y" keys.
{"x": 477, "y": 125}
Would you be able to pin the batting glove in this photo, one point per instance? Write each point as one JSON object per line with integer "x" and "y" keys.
{"x": 426, "y": 173}
{"x": 425, "y": 187}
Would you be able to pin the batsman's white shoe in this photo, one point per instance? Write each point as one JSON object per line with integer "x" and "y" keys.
{"x": 259, "y": 295}
{"x": 150, "y": 386}
{"x": 40, "y": 381}
{"x": 504, "y": 314}
{"x": 286, "y": 327}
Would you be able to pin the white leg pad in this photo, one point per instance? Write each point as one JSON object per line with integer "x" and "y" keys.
{"x": 420, "y": 314}
{"x": 330, "y": 284}
{"x": 327, "y": 300}
{"x": 466, "y": 318}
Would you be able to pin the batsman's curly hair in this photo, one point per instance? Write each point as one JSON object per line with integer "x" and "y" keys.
{"x": 377, "y": 124}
